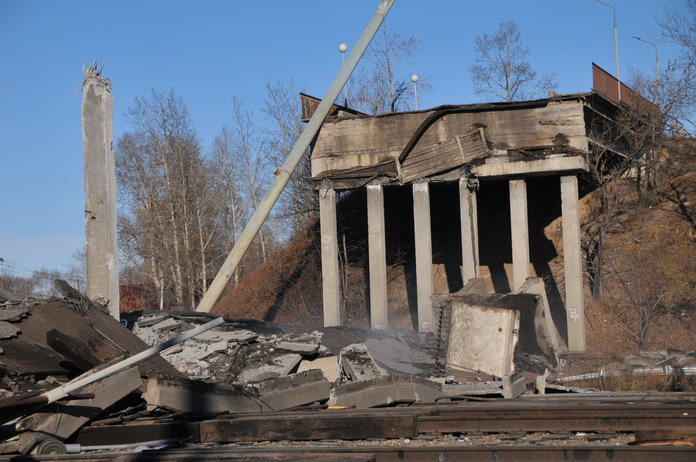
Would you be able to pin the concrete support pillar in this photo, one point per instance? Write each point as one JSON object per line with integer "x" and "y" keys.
{"x": 424, "y": 255}
{"x": 377, "y": 248}
{"x": 101, "y": 245}
{"x": 572, "y": 262}
{"x": 469, "y": 229}
{"x": 520, "y": 233}
{"x": 330, "y": 276}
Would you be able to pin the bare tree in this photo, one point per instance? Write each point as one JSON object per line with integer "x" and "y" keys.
{"x": 382, "y": 83}
{"x": 282, "y": 107}
{"x": 233, "y": 205}
{"x": 162, "y": 176}
{"x": 248, "y": 147}
{"x": 502, "y": 69}
{"x": 681, "y": 73}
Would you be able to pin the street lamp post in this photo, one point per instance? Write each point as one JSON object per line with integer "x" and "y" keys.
{"x": 657, "y": 65}
{"x": 414, "y": 79}
{"x": 343, "y": 48}
{"x": 616, "y": 46}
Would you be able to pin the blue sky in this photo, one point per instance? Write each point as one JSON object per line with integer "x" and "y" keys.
{"x": 208, "y": 50}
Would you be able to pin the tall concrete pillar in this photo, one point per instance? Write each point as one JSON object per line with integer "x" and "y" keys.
{"x": 520, "y": 233}
{"x": 377, "y": 247}
{"x": 469, "y": 228}
{"x": 572, "y": 263}
{"x": 101, "y": 245}
{"x": 330, "y": 276}
{"x": 424, "y": 255}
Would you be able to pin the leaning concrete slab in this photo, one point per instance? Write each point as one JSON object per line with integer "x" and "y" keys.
{"x": 482, "y": 337}
{"x": 101, "y": 245}
{"x": 358, "y": 364}
{"x": 547, "y": 336}
{"x": 383, "y": 391}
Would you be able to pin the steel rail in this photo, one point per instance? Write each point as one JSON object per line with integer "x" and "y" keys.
{"x": 393, "y": 453}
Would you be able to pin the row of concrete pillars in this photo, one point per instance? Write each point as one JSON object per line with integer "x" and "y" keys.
{"x": 470, "y": 251}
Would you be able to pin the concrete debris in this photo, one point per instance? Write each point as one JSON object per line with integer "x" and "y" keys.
{"x": 514, "y": 385}
{"x": 13, "y": 314}
{"x": 276, "y": 394}
{"x": 387, "y": 390}
{"x": 358, "y": 364}
{"x": 7, "y": 330}
{"x": 297, "y": 347}
{"x": 328, "y": 365}
{"x": 166, "y": 324}
{"x": 276, "y": 367}
{"x": 482, "y": 337}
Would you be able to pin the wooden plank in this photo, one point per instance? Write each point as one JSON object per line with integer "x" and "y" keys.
{"x": 285, "y": 427}
{"x": 137, "y": 432}
{"x": 443, "y": 156}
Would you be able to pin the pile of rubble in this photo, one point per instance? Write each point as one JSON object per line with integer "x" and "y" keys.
{"x": 248, "y": 367}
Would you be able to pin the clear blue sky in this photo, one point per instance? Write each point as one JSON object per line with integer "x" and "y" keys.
{"x": 208, "y": 50}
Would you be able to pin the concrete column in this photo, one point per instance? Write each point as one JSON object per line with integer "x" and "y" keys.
{"x": 330, "y": 276}
{"x": 101, "y": 245}
{"x": 469, "y": 228}
{"x": 572, "y": 263}
{"x": 520, "y": 233}
{"x": 377, "y": 248}
{"x": 424, "y": 255}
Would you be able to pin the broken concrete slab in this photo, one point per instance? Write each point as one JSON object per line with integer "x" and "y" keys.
{"x": 201, "y": 397}
{"x": 305, "y": 349}
{"x": 275, "y": 367}
{"x": 275, "y": 394}
{"x": 384, "y": 391}
{"x": 294, "y": 390}
{"x": 547, "y": 336}
{"x": 8, "y": 330}
{"x": 67, "y": 417}
{"x": 472, "y": 389}
{"x": 14, "y": 314}
{"x": 166, "y": 324}
{"x": 327, "y": 364}
{"x": 358, "y": 364}
{"x": 150, "y": 320}
{"x": 482, "y": 335}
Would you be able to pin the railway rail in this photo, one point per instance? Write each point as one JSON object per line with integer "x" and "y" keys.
{"x": 671, "y": 417}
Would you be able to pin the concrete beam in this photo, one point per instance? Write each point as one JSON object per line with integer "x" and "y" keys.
{"x": 424, "y": 255}
{"x": 572, "y": 263}
{"x": 101, "y": 245}
{"x": 520, "y": 233}
{"x": 377, "y": 248}
{"x": 469, "y": 229}
{"x": 548, "y": 166}
{"x": 330, "y": 276}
